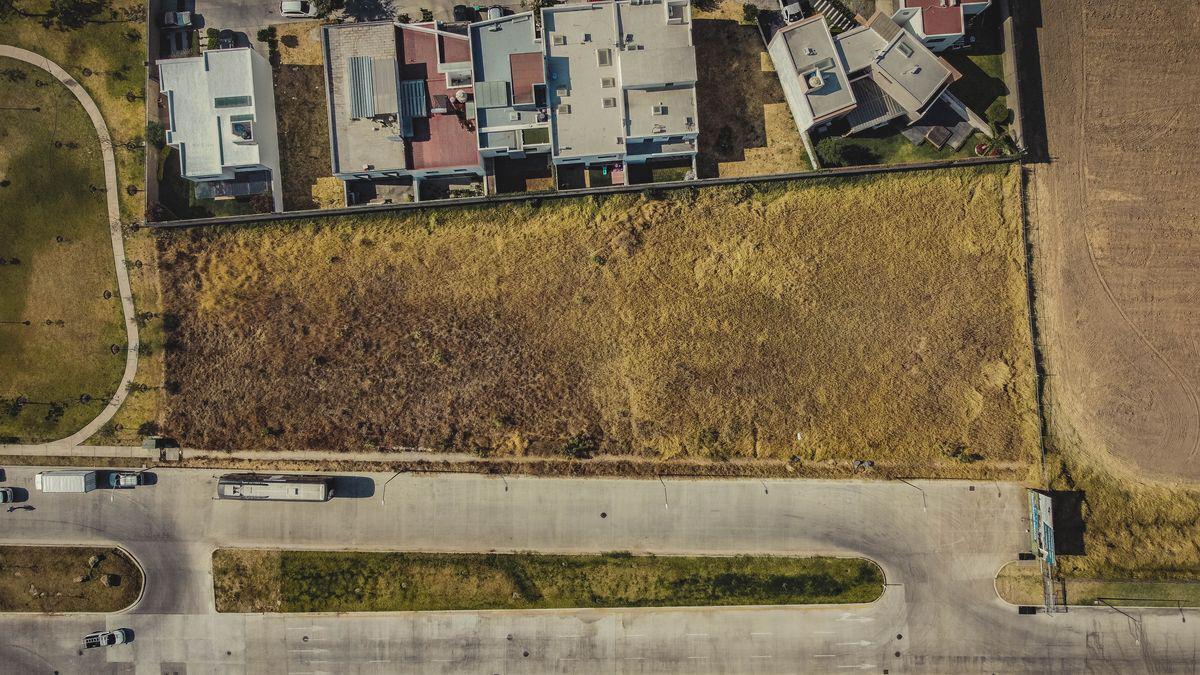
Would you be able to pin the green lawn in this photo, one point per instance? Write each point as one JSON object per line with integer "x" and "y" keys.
{"x": 982, "y": 82}
{"x": 177, "y": 196}
{"x": 316, "y": 581}
{"x": 1023, "y": 586}
{"x": 881, "y": 146}
{"x": 105, "y": 55}
{"x": 55, "y": 243}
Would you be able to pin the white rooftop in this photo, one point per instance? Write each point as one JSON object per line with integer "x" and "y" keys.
{"x": 207, "y": 94}
{"x": 610, "y": 64}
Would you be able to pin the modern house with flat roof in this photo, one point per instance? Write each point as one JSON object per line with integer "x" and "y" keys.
{"x": 867, "y": 77}
{"x": 938, "y": 24}
{"x": 621, "y": 80}
{"x": 509, "y": 70}
{"x": 221, "y": 106}
{"x": 401, "y": 101}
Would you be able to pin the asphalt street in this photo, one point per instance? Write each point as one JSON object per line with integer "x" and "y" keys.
{"x": 939, "y": 543}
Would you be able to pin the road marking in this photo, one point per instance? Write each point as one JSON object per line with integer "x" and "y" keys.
{"x": 761, "y": 656}
{"x": 635, "y": 658}
{"x": 634, "y": 635}
{"x": 860, "y": 643}
{"x": 569, "y": 637}
{"x": 697, "y": 657}
{"x": 823, "y": 632}
{"x": 762, "y": 633}
{"x": 824, "y": 656}
{"x": 697, "y": 634}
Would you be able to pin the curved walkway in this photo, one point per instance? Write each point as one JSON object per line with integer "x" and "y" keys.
{"x": 118, "y": 244}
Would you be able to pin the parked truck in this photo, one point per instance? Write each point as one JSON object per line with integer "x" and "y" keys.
{"x": 67, "y": 480}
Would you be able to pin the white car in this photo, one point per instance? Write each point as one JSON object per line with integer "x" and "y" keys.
{"x": 7, "y": 496}
{"x": 107, "y": 638}
{"x": 298, "y": 9}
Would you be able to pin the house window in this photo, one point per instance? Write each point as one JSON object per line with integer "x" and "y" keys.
{"x": 905, "y": 49}
{"x": 560, "y": 40}
{"x": 231, "y": 101}
{"x": 610, "y": 103}
{"x": 608, "y": 82}
{"x": 562, "y": 92}
{"x": 660, "y": 110}
{"x": 604, "y": 57}
{"x": 587, "y": 37}
{"x": 564, "y": 108}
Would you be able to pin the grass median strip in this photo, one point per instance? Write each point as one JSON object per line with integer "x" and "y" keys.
{"x": 67, "y": 579}
{"x": 339, "y": 581}
{"x": 1022, "y": 585}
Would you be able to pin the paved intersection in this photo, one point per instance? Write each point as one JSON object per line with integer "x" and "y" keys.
{"x": 940, "y": 544}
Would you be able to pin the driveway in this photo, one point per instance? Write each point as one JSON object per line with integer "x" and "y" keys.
{"x": 939, "y": 544}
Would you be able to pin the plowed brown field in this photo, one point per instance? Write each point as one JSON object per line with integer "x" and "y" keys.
{"x": 1118, "y": 233}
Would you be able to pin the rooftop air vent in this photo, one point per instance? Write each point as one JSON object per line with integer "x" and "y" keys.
{"x": 810, "y": 51}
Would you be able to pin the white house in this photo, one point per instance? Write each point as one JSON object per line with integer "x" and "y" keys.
{"x": 222, "y": 121}
{"x": 938, "y": 24}
{"x": 621, "y": 80}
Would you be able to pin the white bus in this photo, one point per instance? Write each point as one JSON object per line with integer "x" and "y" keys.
{"x": 278, "y": 488}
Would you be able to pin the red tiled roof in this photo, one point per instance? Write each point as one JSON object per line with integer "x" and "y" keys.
{"x": 527, "y": 70}
{"x": 439, "y": 140}
{"x": 936, "y": 19}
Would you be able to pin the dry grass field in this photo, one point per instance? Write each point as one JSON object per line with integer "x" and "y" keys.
{"x": 878, "y": 319}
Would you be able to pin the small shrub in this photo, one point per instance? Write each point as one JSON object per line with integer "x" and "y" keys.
{"x": 426, "y": 15}
{"x": 265, "y": 34}
{"x": 212, "y": 34}
{"x": 580, "y": 446}
{"x": 998, "y": 112}
{"x": 749, "y": 13}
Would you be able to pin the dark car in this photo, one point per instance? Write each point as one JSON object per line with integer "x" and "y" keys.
{"x": 226, "y": 39}
{"x": 462, "y": 13}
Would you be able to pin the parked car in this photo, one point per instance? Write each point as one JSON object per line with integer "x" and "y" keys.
{"x": 123, "y": 479}
{"x": 226, "y": 39}
{"x": 7, "y": 496}
{"x": 462, "y": 13}
{"x": 496, "y": 11}
{"x": 298, "y": 9}
{"x": 177, "y": 19}
{"x": 107, "y": 638}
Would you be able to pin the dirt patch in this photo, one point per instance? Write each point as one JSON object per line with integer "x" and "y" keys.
{"x": 771, "y": 322}
{"x": 746, "y": 128}
{"x": 303, "y": 134}
{"x": 66, "y": 579}
{"x": 1116, "y": 230}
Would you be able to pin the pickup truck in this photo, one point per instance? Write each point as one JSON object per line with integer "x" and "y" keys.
{"x": 107, "y": 638}
{"x": 177, "y": 19}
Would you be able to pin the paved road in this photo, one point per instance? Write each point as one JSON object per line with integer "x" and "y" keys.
{"x": 939, "y": 543}
{"x": 118, "y": 243}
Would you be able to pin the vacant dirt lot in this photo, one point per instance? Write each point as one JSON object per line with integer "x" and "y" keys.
{"x": 1119, "y": 229}
{"x": 746, "y": 128}
{"x": 879, "y": 319}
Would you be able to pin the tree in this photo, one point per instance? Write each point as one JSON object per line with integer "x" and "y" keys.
{"x": 73, "y": 13}
{"x": 426, "y": 15}
{"x": 14, "y": 75}
{"x": 323, "y": 7}
{"x": 749, "y": 13}
{"x": 156, "y": 135}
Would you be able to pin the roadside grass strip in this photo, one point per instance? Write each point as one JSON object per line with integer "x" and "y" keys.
{"x": 67, "y": 579}
{"x": 1023, "y": 586}
{"x": 339, "y": 581}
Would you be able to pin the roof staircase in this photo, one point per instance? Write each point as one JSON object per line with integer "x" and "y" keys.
{"x": 837, "y": 17}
